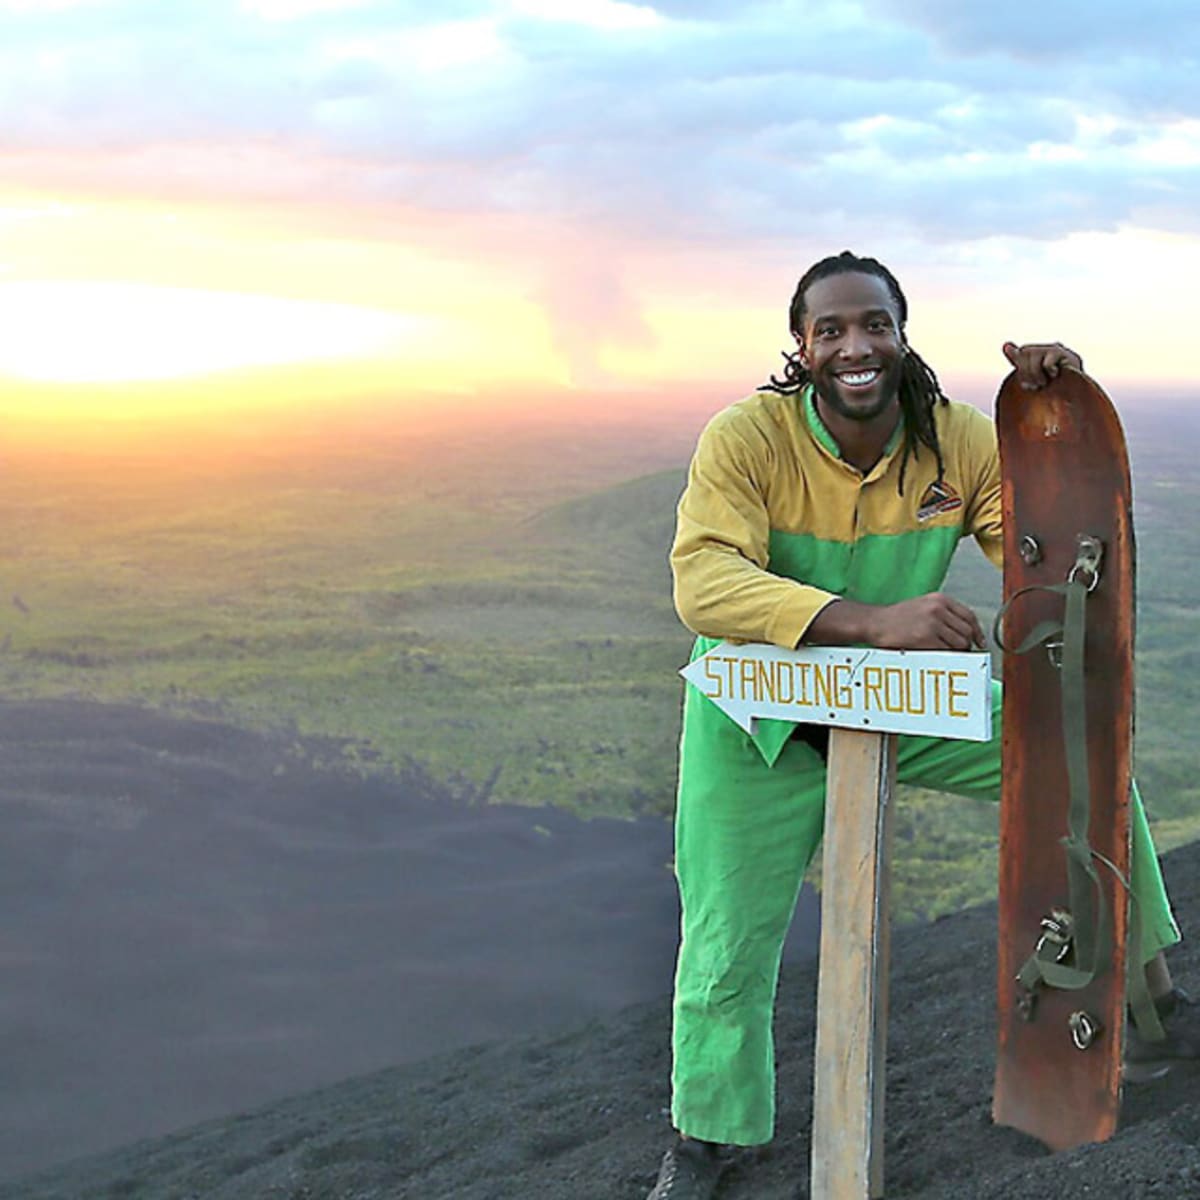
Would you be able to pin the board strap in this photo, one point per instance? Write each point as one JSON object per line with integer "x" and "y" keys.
{"x": 1076, "y": 946}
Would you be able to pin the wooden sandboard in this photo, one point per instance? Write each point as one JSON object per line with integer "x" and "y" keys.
{"x": 1065, "y": 473}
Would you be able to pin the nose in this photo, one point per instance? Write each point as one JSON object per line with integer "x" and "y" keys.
{"x": 856, "y": 344}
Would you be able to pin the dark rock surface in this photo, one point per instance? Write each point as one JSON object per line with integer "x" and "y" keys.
{"x": 582, "y": 1114}
{"x": 195, "y": 919}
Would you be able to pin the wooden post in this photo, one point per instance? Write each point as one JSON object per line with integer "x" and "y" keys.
{"x": 851, "y": 1043}
{"x": 847, "y": 1136}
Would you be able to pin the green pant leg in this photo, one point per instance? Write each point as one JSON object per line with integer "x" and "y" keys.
{"x": 744, "y": 836}
{"x": 745, "y": 833}
{"x": 973, "y": 769}
{"x": 1159, "y": 929}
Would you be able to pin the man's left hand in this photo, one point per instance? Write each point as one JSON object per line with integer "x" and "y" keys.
{"x": 1038, "y": 363}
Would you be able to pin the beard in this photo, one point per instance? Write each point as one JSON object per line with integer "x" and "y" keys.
{"x": 871, "y": 403}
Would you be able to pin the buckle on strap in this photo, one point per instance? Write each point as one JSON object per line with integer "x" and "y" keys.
{"x": 1089, "y": 554}
{"x": 1058, "y": 930}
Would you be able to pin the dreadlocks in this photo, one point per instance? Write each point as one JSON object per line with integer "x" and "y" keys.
{"x": 919, "y": 388}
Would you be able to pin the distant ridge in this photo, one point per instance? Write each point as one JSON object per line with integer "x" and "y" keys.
{"x": 637, "y": 517}
{"x": 583, "y": 1115}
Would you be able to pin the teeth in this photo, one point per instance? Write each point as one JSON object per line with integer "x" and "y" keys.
{"x": 857, "y": 378}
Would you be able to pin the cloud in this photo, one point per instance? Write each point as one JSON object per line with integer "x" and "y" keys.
{"x": 589, "y": 306}
{"x": 598, "y": 14}
{"x": 1063, "y": 31}
{"x": 662, "y": 120}
{"x": 292, "y": 10}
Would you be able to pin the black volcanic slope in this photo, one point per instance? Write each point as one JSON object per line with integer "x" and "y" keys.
{"x": 582, "y": 1114}
{"x": 195, "y": 919}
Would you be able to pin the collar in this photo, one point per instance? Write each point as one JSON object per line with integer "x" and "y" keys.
{"x": 824, "y": 438}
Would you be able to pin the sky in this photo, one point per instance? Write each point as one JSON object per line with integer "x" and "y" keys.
{"x": 215, "y": 204}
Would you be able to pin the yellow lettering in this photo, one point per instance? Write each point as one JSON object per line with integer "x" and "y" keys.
{"x": 957, "y": 693}
{"x": 936, "y": 674}
{"x": 872, "y": 685}
{"x": 893, "y": 689}
{"x": 764, "y": 684}
{"x": 730, "y": 662}
{"x": 823, "y": 688}
{"x": 712, "y": 678}
{"x": 786, "y": 676}
{"x": 805, "y": 670}
{"x": 913, "y": 693}
{"x": 841, "y": 683}
{"x": 749, "y": 679}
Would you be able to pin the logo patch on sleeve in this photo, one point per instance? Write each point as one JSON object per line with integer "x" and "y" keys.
{"x": 939, "y": 498}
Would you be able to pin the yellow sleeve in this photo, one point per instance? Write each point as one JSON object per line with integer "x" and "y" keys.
{"x": 984, "y": 513}
{"x": 719, "y": 559}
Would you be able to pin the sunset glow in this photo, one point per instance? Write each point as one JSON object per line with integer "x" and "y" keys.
{"x": 324, "y": 199}
{"x": 79, "y": 332}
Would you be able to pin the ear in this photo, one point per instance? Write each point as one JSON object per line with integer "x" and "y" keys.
{"x": 801, "y": 352}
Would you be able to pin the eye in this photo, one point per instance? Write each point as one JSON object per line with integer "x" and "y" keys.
{"x": 879, "y": 325}
{"x": 826, "y": 331}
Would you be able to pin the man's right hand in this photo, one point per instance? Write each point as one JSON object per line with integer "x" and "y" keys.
{"x": 932, "y": 622}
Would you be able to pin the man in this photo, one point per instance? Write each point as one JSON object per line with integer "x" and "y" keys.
{"x": 825, "y": 509}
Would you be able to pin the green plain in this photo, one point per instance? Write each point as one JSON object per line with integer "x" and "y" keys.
{"x": 498, "y": 612}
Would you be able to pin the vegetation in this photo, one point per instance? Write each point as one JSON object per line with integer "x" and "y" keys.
{"x": 497, "y": 610}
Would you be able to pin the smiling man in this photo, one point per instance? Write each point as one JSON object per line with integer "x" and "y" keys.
{"x": 825, "y": 509}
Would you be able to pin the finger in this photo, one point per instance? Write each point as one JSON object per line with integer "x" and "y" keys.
{"x": 1038, "y": 363}
{"x": 954, "y": 638}
{"x": 964, "y": 621}
{"x": 974, "y": 631}
{"x": 1023, "y": 359}
{"x": 1036, "y": 358}
{"x": 1053, "y": 361}
{"x": 1033, "y": 372}
{"x": 1063, "y": 356}
{"x": 963, "y": 611}
{"x": 978, "y": 637}
{"x": 961, "y": 628}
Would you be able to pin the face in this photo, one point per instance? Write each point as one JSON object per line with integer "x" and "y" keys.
{"x": 853, "y": 346}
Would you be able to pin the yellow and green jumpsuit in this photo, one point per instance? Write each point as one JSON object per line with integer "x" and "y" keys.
{"x": 773, "y": 526}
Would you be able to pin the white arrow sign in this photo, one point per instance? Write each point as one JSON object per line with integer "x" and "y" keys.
{"x": 931, "y": 692}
